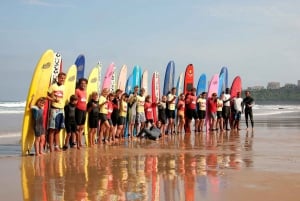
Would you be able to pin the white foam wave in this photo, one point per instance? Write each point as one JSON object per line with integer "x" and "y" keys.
{"x": 13, "y": 104}
{"x": 11, "y": 112}
{"x": 266, "y": 113}
{"x": 10, "y": 135}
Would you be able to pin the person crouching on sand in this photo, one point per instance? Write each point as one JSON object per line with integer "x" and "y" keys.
{"x": 38, "y": 125}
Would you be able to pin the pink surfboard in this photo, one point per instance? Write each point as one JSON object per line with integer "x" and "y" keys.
{"x": 155, "y": 93}
{"x": 122, "y": 78}
{"x": 108, "y": 76}
{"x": 144, "y": 82}
{"x": 213, "y": 87}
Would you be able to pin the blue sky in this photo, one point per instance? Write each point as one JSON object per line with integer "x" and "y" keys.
{"x": 258, "y": 40}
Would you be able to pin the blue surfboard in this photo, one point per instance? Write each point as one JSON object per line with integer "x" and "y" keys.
{"x": 136, "y": 76}
{"x": 225, "y": 80}
{"x": 221, "y": 83}
{"x": 129, "y": 84}
{"x": 80, "y": 63}
{"x": 201, "y": 87}
{"x": 128, "y": 90}
{"x": 179, "y": 85}
{"x": 169, "y": 77}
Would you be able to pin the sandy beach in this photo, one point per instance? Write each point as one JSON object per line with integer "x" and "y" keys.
{"x": 259, "y": 165}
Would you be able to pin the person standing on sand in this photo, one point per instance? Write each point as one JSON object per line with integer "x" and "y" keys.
{"x": 171, "y": 100}
{"x": 191, "y": 110}
{"x": 80, "y": 111}
{"x": 140, "y": 111}
{"x": 180, "y": 113}
{"x": 116, "y": 111}
{"x": 103, "y": 110}
{"x": 226, "y": 109}
{"x": 201, "y": 102}
{"x": 237, "y": 106}
{"x": 248, "y": 103}
{"x": 132, "y": 103}
{"x": 93, "y": 120}
{"x": 162, "y": 113}
{"x": 212, "y": 111}
{"x": 70, "y": 123}
{"x": 220, "y": 122}
{"x": 110, "y": 106}
{"x": 56, "y": 118}
{"x": 39, "y": 129}
{"x": 122, "y": 115}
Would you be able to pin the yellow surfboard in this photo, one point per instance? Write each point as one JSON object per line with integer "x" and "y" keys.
{"x": 70, "y": 85}
{"x": 39, "y": 86}
{"x": 93, "y": 83}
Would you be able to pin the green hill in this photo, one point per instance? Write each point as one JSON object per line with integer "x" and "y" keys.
{"x": 286, "y": 95}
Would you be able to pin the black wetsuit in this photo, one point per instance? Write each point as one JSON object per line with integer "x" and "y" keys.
{"x": 248, "y": 110}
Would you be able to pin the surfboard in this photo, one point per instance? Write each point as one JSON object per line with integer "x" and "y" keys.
{"x": 179, "y": 85}
{"x": 221, "y": 87}
{"x": 128, "y": 90}
{"x": 108, "y": 76}
{"x": 113, "y": 84}
{"x": 188, "y": 78}
{"x": 188, "y": 85}
{"x": 201, "y": 86}
{"x": 155, "y": 93}
{"x": 144, "y": 82}
{"x": 212, "y": 88}
{"x": 99, "y": 65}
{"x": 57, "y": 67}
{"x": 122, "y": 78}
{"x": 236, "y": 86}
{"x": 92, "y": 86}
{"x": 70, "y": 85}
{"x": 80, "y": 64}
{"x": 39, "y": 86}
{"x": 225, "y": 71}
{"x": 129, "y": 84}
{"x": 169, "y": 77}
{"x": 136, "y": 75}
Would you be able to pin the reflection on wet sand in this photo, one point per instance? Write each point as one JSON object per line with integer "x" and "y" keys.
{"x": 181, "y": 167}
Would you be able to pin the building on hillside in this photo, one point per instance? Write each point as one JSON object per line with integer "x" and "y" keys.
{"x": 256, "y": 88}
{"x": 299, "y": 83}
{"x": 273, "y": 85}
{"x": 290, "y": 85}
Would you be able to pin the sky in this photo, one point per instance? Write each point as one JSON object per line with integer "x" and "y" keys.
{"x": 257, "y": 40}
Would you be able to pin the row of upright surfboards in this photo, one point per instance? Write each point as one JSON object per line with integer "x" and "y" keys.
{"x": 50, "y": 64}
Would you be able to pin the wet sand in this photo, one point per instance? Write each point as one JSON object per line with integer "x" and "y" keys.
{"x": 259, "y": 165}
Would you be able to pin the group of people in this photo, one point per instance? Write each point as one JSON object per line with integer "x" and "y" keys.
{"x": 114, "y": 116}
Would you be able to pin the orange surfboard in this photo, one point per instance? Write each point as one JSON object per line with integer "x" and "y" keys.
{"x": 188, "y": 85}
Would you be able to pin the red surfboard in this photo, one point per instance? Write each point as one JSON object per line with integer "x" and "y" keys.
{"x": 188, "y": 85}
{"x": 236, "y": 86}
{"x": 155, "y": 95}
{"x": 188, "y": 78}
